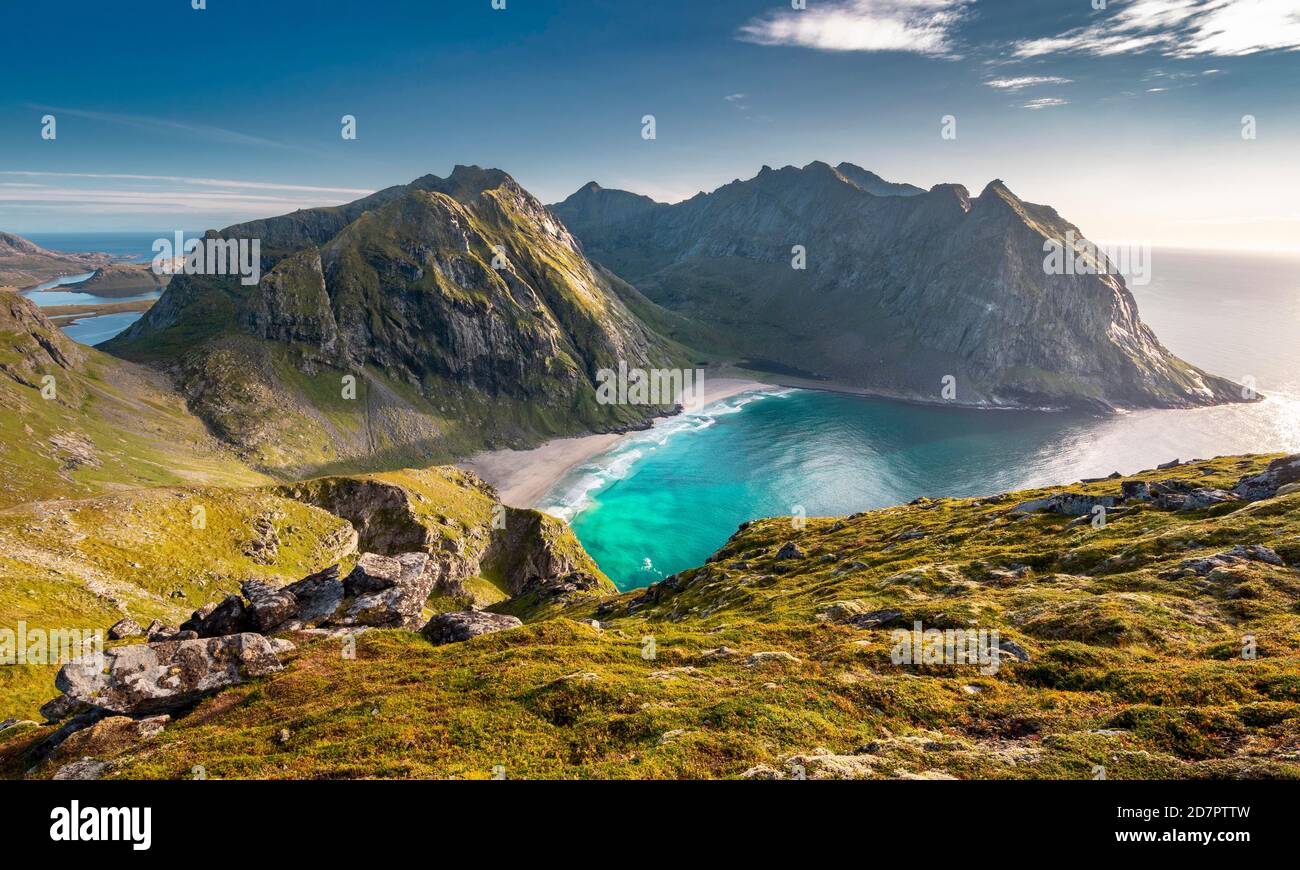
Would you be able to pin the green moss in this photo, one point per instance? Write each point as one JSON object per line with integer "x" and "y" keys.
{"x": 1128, "y": 670}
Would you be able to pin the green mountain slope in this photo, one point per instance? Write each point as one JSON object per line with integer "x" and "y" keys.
{"x": 465, "y": 311}
{"x": 77, "y": 422}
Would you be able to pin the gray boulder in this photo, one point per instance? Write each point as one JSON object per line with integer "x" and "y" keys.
{"x": 1135, "y": 490}
{"x": 457, "y": 627}
{"x": 1201, "y": 498}
{"x": 219, "y": 619}
{"x": 1279, "y": 473}
{"x": 398, "y": 605}
{"x": 84, "y": 769}
{"x": 1015, "y": 650}
{"x": 124, "y": 628}
{"x": 790, "y": 550}
{"x": 268, "y": 607}
{"x": 144, "y": 679}
{"x": 1238, "y": 555}
{"x": 318, "y": 596}
{"x": 373, "y": 573}
{"x": 1071, "y": 504}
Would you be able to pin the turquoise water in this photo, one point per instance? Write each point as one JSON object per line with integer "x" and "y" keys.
{"x": 666, "y": 499}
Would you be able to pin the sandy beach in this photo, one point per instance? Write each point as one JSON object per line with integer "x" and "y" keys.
{"x": 522, "y": 477}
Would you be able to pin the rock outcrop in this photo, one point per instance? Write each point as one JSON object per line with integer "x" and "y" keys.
{"x": 161, "y": 677}
{"x": 1280, "y": 473}
{"x": 456, "y": 627}
{"x": 458, "y": 521}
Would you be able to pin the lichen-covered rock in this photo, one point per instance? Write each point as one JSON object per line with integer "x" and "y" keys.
{"x": 403, "y": 585}
{"x": 160, "y": 677}
{"x": 456, "y": 627}
{"x": 1071, "y": 504}
{"x": 775, "y": 656}
{"x": 124, "y": 628}
{"x": 1279, "y": 473}
{"x": 229, "y": 616}
{"x": 268, "y": 607}
{"x": 1199, "y": 499}
{"x": 83, "y": 769}
{"x": 1238, "y": 555}
{"x": 61, "y": 707}
{"x": 318, "y": 596}
{"x": 373, "y": 573}
{"x": 109, "y": 736}
{"x": 789, "y": 550}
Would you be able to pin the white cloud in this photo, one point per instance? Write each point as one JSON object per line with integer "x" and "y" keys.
{"x": 918, "y": 26}
{"x": 120, "y": 193}
{"x": 180, "y": 179}
{"x": 1179, "y": 28}
{"x": 1045, "y": 103}
{"x": 1026, "y": 82}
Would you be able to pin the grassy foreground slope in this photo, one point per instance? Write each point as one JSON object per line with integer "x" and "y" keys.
{"x": 87, "y": 563}
{"x": 762, "y": 666}
{"x": 78, "y": 422}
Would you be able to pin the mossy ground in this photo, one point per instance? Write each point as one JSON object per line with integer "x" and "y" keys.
{"x": 84, "y": 564}
{"x": 1135, "y": 665}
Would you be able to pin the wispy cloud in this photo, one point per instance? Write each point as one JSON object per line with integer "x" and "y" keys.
{"x": 1179, "y": 28}
{"x": 182, "y": 179}
{"x": 917, "y": 26}
{"x": 1045, "y": 103}
{"x": 165, "y": 125}
{"x": 1017, "y": 84}
{"x": 222, "y": 200}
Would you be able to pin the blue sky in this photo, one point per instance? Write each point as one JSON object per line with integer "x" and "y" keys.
{"x": 1128, "y": 119}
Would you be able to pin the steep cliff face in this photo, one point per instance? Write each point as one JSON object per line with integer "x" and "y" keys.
{"x": 486, "y": 551}
{"x": 901, "y": 288}
{"x": 466, "y": 313}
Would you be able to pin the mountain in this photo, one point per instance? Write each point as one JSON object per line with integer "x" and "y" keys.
{"x": 899, "y": 291}
{"x": 1160, "y": 646}
{"x": 117, "y": 280}
{"x": 874, "y": 184}
{"x": 465, "y": 311}
{"x": 25, "y": 264}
